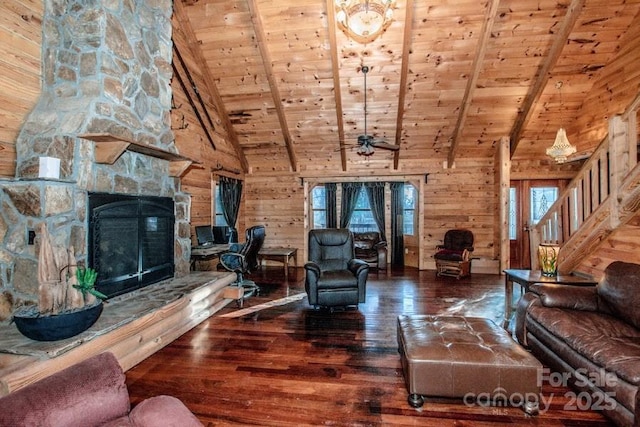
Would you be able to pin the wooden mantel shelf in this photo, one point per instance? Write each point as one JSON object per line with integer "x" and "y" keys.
{"x": 109, "y": 148}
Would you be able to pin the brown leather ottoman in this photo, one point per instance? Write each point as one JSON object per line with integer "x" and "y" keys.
{"x": 468, "y": 357}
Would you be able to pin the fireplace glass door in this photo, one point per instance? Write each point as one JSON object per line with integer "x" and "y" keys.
{"x": 131, "y": 241}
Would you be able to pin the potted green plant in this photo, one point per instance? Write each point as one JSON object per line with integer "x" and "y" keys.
{"x": 68, "y": 302}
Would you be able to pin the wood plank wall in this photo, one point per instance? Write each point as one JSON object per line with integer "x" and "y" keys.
{"x": 209, "y": 144}
{"x": 20, "y": 40}
{"x": 617, "y": 86}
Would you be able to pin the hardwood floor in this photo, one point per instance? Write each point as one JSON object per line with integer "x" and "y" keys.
{"x": 291, "y": 365}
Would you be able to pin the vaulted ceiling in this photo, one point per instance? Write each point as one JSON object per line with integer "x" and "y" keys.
{"x": 448, "y": 79}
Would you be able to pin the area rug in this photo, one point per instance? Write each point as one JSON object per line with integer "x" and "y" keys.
{"x": 268, "y": 304}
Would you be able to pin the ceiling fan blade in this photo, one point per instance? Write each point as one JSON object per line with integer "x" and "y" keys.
{"x": 378, "y": 143}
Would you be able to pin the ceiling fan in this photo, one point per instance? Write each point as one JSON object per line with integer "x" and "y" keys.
{"x": 366, "y": 142}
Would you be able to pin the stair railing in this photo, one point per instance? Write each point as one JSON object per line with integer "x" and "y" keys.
{"x": 589, "y": 207}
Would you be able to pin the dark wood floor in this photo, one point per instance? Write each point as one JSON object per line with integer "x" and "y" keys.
{"x": 291, "y": 365}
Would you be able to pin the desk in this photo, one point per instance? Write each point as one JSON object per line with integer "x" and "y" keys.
{"x": 526, "y": 278}
{"x": 279, "y": 254}
{"x": 199, "y": 253}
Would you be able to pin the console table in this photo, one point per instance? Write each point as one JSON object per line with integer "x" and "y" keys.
{"x": 279, "y": 254}
{"x": 526, "y": 278}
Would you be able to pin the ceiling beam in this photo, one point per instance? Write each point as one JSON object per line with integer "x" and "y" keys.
{"x": 261, "y": 39}
{"x": 406, "y": 48}
{"x": 476, "y": 67}
{"x": 337, "y": 92}
{"x": 559, "y": 41}
{"x": 182, "y": 20}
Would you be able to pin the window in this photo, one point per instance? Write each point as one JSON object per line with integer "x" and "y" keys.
{"x": 362, "y": 218}
{"x": 319, "y": 207}
{"x": 409, "y": 213}
{"x": 541, "y": 200}
{"x": 513, "y": 211}
{"x": 219, "y": 216}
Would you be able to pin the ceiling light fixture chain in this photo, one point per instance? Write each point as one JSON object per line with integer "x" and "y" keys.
{"x": 561, "y": 148}
{"x": 365, "y": 148}
{"x": 364, "y": 20}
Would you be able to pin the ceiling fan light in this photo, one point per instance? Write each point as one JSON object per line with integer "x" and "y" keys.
{"x": 561, "y": 148}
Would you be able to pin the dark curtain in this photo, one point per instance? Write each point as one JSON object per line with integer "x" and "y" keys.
{"x": 350, "y": 191}
{"x": 331, "y": 204}
{"x": 397, "y": 222}
{"x": 230, "y": 195}
{"x": 375, "y": 193}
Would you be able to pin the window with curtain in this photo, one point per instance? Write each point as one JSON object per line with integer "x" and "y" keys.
{"x": 409, "y": 217}
{"x": 219, "y": 216}
{"x": 319, "y": 207}
{"x": 362, "y": 218}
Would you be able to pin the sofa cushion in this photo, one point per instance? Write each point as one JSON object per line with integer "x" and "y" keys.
{"x": 605, "y": 340}
{"x": 620, "y": 289}
{"x": 166, "y": 411}
{"x": 89, "y": 393}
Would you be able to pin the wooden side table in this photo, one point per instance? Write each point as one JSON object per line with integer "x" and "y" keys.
{"x": 526, "y": 278}
{"x": 279, "y": 254}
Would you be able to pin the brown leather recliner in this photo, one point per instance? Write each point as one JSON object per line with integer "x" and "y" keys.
{"x": 453, "y": 256}
{"x": 371, "y": 249}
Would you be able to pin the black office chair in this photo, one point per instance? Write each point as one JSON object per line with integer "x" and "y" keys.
{"x": 242, "y": 258}
{"x": 334, "y": 276}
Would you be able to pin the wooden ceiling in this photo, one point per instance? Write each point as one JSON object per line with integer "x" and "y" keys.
{"x": 448, "y": 79}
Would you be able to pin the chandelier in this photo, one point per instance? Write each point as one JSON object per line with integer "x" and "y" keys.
{"x": 364, "y": 20}
{"x": 561, "y": 148}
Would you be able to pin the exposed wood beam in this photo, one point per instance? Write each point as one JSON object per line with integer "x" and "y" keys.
{"x": 337, "y": 92}
{"x": 180, "y": 71}
{"x": 406, "y": 48}
{"x": 559, "y": 41}
{"x": 261, "y": 39}
{"x": 476, "y": 67}
{"x": 182, "y": 20}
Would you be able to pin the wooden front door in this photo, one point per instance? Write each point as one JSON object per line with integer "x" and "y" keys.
{"x": 528, "y": 201}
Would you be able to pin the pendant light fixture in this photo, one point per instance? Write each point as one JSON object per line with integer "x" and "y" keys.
{"x": 561, "y": 148}
{"x": 364, "y": 20}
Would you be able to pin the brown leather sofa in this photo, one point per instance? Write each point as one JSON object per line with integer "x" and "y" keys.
{"x": 371, "y": 249}
{"x": 590, "y": 338}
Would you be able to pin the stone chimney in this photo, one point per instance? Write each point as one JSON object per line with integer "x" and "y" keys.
{"x": 106, "y": 70}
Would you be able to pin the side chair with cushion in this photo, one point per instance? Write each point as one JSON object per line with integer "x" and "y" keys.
{"x": 242, "y": 258}
{"x": 371, "y": 249}
{"x": 453, "y": 256}
{"x": 334, "y": 277}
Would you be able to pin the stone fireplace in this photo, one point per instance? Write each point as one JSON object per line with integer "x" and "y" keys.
{"x": 104, "y": 111}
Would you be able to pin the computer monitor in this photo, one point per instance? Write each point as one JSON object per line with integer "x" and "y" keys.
{"x": 221, "y": 233}
{"x": 204, "y": 234}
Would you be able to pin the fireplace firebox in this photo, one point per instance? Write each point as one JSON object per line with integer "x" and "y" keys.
{"x": 131, "y": 241}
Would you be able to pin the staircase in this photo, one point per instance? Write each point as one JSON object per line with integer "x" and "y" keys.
{"x": 604, "y": 195}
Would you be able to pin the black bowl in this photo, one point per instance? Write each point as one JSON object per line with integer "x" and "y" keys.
{"x": 57, "y": 326}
